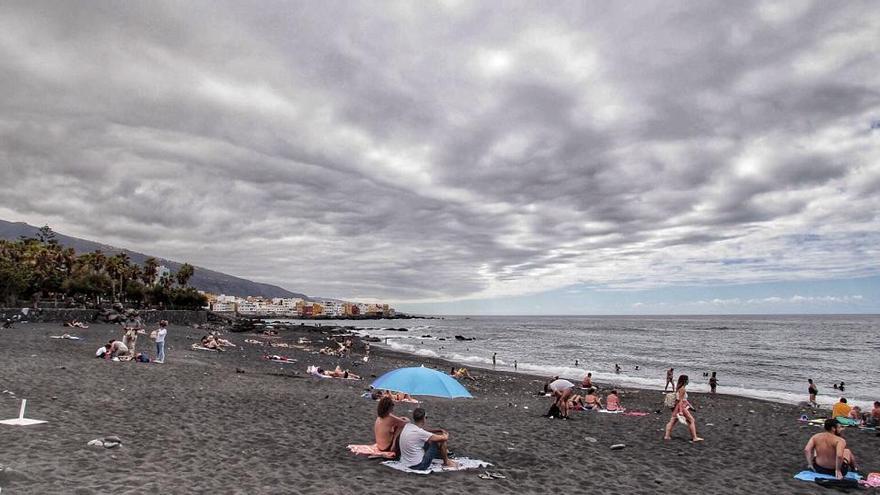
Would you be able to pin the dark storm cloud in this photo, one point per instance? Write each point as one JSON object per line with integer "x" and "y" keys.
{"x": 430, "y": 151}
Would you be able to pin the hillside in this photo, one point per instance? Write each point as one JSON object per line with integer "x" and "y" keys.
{"x": 204, "y": 279}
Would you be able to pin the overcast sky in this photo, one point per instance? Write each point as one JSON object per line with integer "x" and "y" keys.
{"x": 426, "y": 153}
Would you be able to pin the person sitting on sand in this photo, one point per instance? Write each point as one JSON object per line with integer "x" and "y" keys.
{"x": 588, "y": 381}
{"x": 117, "y": 349}
{"x": 419, "y": 446}
{"x": 826, "y": 452}
{"x": 387, "y": 427}
{"x": 841, "y": 409}
{"x": 397, "y": 396}
{"x": 592, "y": 400}
{"x": 813, "y": 391}
{"x": 872, "y": 418}
{"x": 463, "y": 373}
{"x": 682, "y": 411}
{"x": 612, "y": 402}
{"x": 209, "y": 342}
{"x": 856, "y": 414}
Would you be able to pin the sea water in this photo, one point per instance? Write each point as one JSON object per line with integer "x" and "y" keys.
{"x": 766, "y": 357}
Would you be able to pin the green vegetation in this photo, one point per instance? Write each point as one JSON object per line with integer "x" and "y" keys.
{"x": 40, "y": 268}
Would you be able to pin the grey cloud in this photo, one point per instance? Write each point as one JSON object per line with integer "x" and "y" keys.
{"x": 431, "y": 152}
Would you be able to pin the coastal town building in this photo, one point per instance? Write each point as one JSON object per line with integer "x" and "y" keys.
{"x": 293, "y": 307}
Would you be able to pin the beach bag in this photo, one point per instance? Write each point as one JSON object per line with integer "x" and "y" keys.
{"x": 554, "y": 412}
{"x": 669, "y": 400}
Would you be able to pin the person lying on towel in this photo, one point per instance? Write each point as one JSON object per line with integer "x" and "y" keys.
{"x": 387, "y": 427}
{"x": 826, "y": 452}
{"x": 338, "y": 373}
{"x": 419, "y": 446}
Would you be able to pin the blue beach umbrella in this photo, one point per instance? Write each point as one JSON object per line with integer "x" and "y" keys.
{"x": 421, "y": 381}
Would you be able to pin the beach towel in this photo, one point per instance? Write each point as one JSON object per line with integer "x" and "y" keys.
{"x": 635, "y": 413}
{"x": 371, "y": 451}
{"x": 847, "y": 421}
{"x": 606, "y": 411}
{"x": 65, "y": 337}
{"x": 873, "y": 480}
{"x": 807, "y": 475}
{"x": 437, "y": 466}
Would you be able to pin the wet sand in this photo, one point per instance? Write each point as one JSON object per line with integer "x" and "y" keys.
{"x": 231, "y": 422}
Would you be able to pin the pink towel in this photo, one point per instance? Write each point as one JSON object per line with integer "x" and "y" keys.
{"x": 370, "y": 450}
{"x": 635, "y": 413}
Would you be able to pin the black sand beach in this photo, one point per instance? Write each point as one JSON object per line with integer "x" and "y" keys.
{"x": 197, "y": 425}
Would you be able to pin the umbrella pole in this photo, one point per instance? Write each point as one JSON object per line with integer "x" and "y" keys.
{"x": 21, "y": 412}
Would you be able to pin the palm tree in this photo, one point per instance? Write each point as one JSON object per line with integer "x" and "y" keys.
{"x": 185, "y": 273}
{"x": 151, "y": 269}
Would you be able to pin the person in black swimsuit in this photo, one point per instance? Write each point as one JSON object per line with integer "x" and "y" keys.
{"x": 813, "y": 391}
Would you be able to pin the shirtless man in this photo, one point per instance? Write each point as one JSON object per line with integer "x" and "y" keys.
{"x": 387, "y": 427}
{"x": 826, "y": 452}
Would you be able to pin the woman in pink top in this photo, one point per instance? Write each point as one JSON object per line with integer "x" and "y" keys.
{"x": 681, "y": 412}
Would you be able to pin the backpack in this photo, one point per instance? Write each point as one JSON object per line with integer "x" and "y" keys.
{"x": 554, "y": 412}
{"x": 669, "y": 400}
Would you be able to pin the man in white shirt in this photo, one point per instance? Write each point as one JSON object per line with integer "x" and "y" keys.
{"x": 420, "y": 446}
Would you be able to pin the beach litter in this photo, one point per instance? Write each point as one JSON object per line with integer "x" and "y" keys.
{"x": 618, "y": 446}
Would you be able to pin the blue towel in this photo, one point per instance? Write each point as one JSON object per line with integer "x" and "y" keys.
{"x": 813, "y": 476}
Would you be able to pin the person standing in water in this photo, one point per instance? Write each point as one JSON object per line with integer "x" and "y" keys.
{"x": 681, "y": 413}
{"x": 670, "y": 373}
{"x": 493, "y": 358}
{"x": 514, "y": 364}
{"x": 713, "y": 382}
{"x": 813, "y": 391}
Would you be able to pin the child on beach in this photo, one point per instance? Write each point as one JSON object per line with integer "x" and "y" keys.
{"x": 681, "y": 413}
{"x": 160, "y": 341}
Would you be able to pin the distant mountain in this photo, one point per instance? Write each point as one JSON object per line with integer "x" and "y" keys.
{"x": 204, "y": 279}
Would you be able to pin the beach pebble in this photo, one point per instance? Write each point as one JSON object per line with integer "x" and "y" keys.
{"x": 618, "y": 446}
{"x": 590, "y": 439}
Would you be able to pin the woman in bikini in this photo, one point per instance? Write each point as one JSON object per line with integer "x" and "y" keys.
{"x": 682, "y": 411}
{"x": 591, "y": 400}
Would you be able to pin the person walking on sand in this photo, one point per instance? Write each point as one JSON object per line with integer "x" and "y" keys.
{"x": 160, "y": 341}
{"x": 681, "y": 413}
{"x": 670, "y": 374}
{"x": 813, "y": 391}
{"x": 419, "y": 446}
{"x": 713, "y": 382}
{"x": 826, "y": 452}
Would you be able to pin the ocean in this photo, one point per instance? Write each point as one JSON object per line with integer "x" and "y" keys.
{"x": 765, "y": 357}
